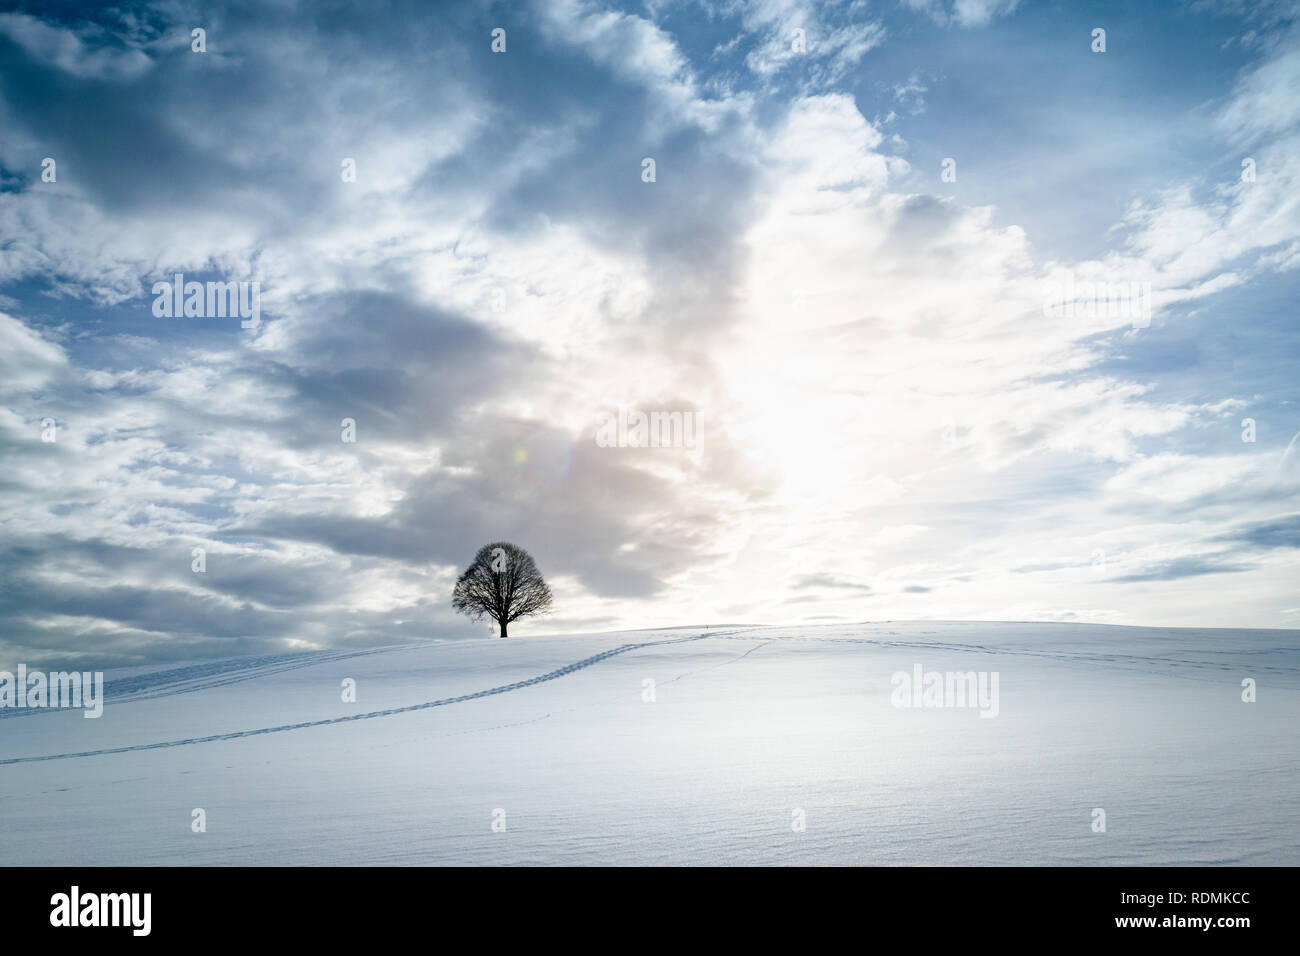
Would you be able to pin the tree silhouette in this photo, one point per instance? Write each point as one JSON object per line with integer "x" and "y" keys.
{"x": 503, "y": 583}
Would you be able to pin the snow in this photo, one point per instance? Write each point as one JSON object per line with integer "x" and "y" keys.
{"x": 748, "y": 725}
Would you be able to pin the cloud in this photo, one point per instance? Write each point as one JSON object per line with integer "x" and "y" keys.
{"x": 813, "y": 46}
{"x": 1282, "y": 532}
{"x": 27, "y": 361}
{"x": 93, "y": 57}
{"x": 964, "y": 13}
{"x": 881, "y": 397}
{"x": 1186, "y": 567}
{"x": 827, "y": 581}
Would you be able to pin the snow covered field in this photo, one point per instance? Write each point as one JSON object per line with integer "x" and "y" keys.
{"x": 750, "y": 730}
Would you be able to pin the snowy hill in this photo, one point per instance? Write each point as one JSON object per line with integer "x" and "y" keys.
{"x": 732, "y": 745}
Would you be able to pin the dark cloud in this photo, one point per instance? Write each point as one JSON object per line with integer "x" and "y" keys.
{"x": 828, "y": 581}
{"x": 1187, "y": 567}
{"x": 1283, "y": 532}
{"x": 473, "y": 169}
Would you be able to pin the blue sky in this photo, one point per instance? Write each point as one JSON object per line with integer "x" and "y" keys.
{"x": 891, "y": 421}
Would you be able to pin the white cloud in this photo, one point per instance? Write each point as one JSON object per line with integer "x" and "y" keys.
{"x": 883, "y": 400}
{"x": 964, "y": 13}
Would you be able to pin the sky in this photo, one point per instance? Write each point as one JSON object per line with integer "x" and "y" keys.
{"x": 857, "y": 246}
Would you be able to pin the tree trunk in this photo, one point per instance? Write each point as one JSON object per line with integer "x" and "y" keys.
{"x": 503, "y": 629}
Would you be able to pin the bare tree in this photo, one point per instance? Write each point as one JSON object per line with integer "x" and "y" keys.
{"x": 503, "y": 583}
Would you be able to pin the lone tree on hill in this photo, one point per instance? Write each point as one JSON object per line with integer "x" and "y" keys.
{"x": 502, "y": 582}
